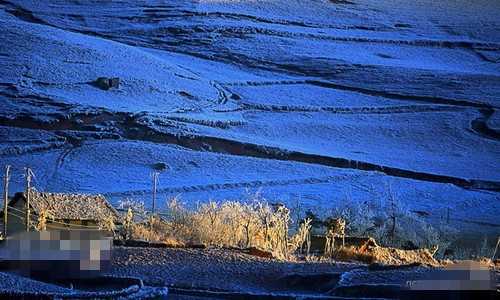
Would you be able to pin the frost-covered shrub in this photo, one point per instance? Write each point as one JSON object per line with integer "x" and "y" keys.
{"x": 256, "y": 223}
{"x": 225, "y": 224}
{"x": 394, "y": 225}
{"x": 487, "y": 248}
{"x": 43, "y": 216}
{"x": 137, "y": 207}
{"x": 301, "y": 240}
{"x": 236, "y": 224}
{"x": 127, "y": 225}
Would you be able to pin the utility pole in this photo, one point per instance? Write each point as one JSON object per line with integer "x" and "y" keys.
{"x": 28, "y": 196}
{"x": 5, "y": 198}
{"x": 155, "y": 183}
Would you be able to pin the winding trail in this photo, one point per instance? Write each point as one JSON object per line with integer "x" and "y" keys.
{"x": 235, "y": 185}
{"x": 369, "y": 92}
{"x": 395, "y": 109}
{"x": 403, "y": 97}
{"x": 58, "y": 165}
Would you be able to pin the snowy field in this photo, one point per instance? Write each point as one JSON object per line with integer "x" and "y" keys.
{"x": 312, "y": 102}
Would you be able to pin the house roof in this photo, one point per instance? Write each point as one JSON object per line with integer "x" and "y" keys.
{"x": 69, "y": 206}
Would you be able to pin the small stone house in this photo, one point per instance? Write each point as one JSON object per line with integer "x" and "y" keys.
{"x": 65, "y": 211}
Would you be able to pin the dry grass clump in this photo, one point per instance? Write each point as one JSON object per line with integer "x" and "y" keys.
{"x": 368, "y": 251}
{"x": 235, "y": 224}
{"x": 394, "y": 256}
{"x": 228, "y": 224}
{"x": 386, "y": 256}
{"x": 351, "y": 253}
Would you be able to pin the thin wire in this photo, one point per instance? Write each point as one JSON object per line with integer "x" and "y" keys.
{"x": 17, "y": 209}
{"x": 75, "y": 225}
{"x": 37, "y": 183}
{"x": 17, "y": 216}
{"x": 496, "y": 248}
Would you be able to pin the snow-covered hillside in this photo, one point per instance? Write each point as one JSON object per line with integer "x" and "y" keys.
{"x": 318, "y": 102}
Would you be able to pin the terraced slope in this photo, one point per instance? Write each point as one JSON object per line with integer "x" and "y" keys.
{"x": 313, "y": 103}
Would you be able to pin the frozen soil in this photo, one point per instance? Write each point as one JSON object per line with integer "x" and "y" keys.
{"x": 234, "y": 274}
{"x": 235, "y": 271}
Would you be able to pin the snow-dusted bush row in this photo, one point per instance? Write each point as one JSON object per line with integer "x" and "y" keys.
{"x": 227, "y": 224}
{"x": 258, "y": 224}
{"x": 224, "y": 124}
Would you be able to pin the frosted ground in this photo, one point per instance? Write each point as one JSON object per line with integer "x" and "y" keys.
{"x": 310, "y": 102}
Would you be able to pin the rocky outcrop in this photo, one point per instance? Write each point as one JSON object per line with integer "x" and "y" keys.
{"x": 106, "y": 83}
